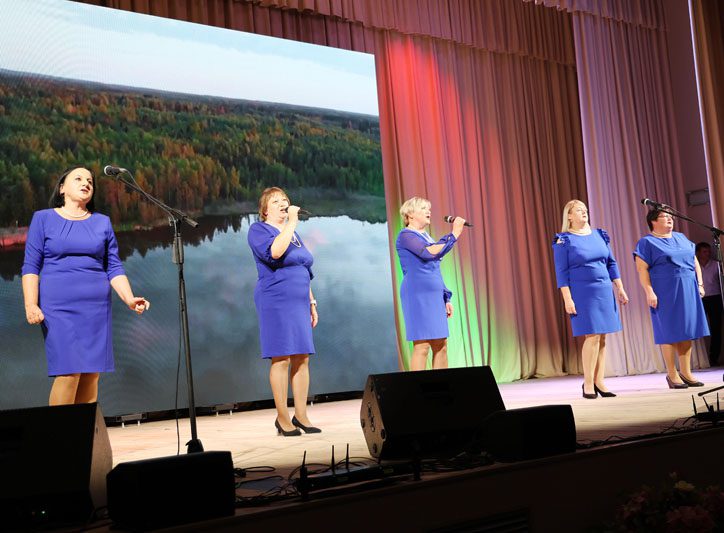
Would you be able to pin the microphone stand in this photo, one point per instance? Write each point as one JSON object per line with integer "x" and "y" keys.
{"x": 175, "y": 217}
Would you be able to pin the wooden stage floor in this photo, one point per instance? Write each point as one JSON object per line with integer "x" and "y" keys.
{"x": 644, "y": 405}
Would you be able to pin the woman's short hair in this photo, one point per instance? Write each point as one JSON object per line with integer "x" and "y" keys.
{"x": 266, "y": 195}
{"x": 652, "y": 215}
{"x": 410, "y": 206}
{"x": 57, "y": 198}
{"x": 566, "y": 225}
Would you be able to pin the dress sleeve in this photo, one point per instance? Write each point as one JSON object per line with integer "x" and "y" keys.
{"x": 114, "y": 267}
{"x": 446, "y": 294}
{"x": 414, "y": 244}
{"x": 643, "y": 250}
{"x": 260, "y": 240}
{"x": 34, "y": 246}
{"x": 611, "y": 263}
{"x": 560, "y": 258}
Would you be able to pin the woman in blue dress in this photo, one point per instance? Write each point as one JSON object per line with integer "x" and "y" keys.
{"x": 71, "y": 264}
{"x": 587, "y": 274}
{"x": 671, "y": 278}
{"x": 285, "y": 306}
{"x": 425, "y": 298}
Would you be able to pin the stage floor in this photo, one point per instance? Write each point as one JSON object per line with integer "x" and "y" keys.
{"x": 644, "y": 406}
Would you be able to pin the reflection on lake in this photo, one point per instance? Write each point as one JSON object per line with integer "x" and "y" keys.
{"x": 352, "y": 284}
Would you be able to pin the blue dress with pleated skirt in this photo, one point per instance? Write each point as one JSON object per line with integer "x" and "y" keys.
{"x": 585, "y": 264}
{"x": 679, "y": 314}
{"x": 282, "y": 294}
{"x": 423, "y": 293}
{"x": 75, "y": 259}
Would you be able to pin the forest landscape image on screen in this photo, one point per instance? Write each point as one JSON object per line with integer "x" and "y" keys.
{"x": 205, "y": 119}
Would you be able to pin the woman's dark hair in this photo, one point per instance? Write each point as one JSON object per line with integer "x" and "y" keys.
{"x": 653, "y": 215}
{"x": 701, "y": 245}
{"x": 57, "y": 199}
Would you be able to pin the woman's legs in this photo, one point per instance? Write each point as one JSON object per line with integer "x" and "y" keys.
{"x": 589, "y": 356}
{"x": 300, "y": 386}
{"x": 439, "y": 353}
{"x": 279, "y": 381}
{"x": 420, "y": 349}
{"x": 87, "y": 391}
{"x": 670, "y": 352}
{"x": 64, "y": 389}
{"x": 599, "y": 372}
{"x": 683, "y": 348}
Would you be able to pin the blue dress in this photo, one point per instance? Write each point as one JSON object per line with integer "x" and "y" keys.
{"x": 423, "y": 292}
{"x": 585, "y": 264}
{"x": 75, "y": 259}
{"x": 282, "y": 294}
{"x": 679, "y": 315}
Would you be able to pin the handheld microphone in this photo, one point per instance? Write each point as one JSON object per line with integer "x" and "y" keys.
{"x": 112, "y": 171}
{"x": 654, "y": 205}
{"x": 450, "y": 219}
{"x": 301, "y": 211}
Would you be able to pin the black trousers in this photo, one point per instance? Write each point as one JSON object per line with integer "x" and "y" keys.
{"x": 713, "y": 309}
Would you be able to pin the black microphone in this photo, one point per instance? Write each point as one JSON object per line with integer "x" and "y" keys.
{"x": 654, "y": 205}
{"x": 109, "y": 170}
{"x": 450, "y": 218}
{"x": 301, "y": 211}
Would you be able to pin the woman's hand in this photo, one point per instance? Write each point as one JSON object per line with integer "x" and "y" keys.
{"x": 458, "y": 225}
{"x": 449, "y": 309}
{"x": 315, "y": 316}
{"x": 293, "y": 213}
{"x": 622, "y": 296}
{"x": 139, "y": 304}
{"x": 34, "y": 314}
{"x": 570, "y": 306}
{"x": 652, "y": 299}
{"x": 702, "y": 292}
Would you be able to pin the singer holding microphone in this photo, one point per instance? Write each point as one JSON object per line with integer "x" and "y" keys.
{"x": 587, "y": 275}
{"x": 425, "y": 298}
{"x": 71, "y": 264}
{"x": 285, "y": 305}
{"x": 671, "y": 278}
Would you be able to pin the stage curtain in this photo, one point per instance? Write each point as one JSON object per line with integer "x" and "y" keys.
{"x": 631, "y": 148}
{"x": 478, "y": 113}
{"x": 648, "y": 13}
{"x": 708, "y": 26}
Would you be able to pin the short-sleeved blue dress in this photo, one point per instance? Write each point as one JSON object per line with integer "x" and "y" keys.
{"x": 585, "y": 264}
{"x": 423, "y": 293}
{"x": 75, "y": 259}
{"x": 679, "y": 314}
{"x": 282, "y": 294}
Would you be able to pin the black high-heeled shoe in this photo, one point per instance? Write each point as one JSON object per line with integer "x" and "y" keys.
{"x": 673, "y": 385}
{"x": 280, "y": 431}
{"x": 607, "y": 394}
{"x": 307, "y": 429}
{"x": 589, "y": 396}
{"x": 691, "y": 383}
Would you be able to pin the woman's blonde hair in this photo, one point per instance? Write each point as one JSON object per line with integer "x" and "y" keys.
{"x": 566, "y": 225}
{"x": 266, "y": 195}
{"x": 410, "y": 206}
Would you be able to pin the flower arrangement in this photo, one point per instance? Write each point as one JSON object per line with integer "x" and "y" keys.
{"x": 677, "y": 506}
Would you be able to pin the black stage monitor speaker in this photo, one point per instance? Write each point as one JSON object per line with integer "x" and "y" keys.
{"x": 160, "y": 492}
{"x": 53, "y": 465}
{"x": 427, "y": 413}
{"x": 529, "y": 433}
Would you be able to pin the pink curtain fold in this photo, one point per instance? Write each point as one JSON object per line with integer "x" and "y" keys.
{"x": 708, "y": 25}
